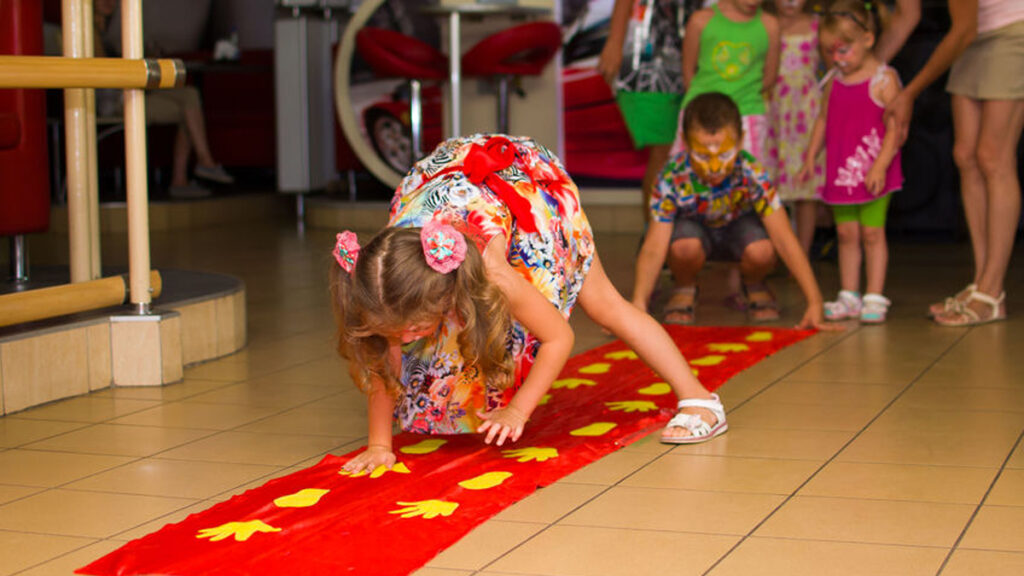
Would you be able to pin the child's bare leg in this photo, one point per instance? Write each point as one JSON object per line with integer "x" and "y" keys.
{"x": 757, "y": 262}
{"x": 806, "y": 214}
{"x": 876, "y": 258}
{"x": 849, "y": 255}
{"x": 686, "y": 258}
{"x": 642, "y": 333}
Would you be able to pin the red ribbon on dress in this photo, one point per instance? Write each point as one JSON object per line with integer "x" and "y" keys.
{"x": 481, "y": 167}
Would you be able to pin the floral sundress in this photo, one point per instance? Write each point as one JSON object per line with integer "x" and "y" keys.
{"x": 534, "y": 204}
{"x": 791, "y": 115}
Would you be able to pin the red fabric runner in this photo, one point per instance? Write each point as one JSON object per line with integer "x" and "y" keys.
{"x": 319, "y": 521}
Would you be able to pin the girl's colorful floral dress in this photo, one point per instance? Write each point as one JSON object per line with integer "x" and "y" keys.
{"x": 791, "y": 114}
{"x": 486, "y": 186}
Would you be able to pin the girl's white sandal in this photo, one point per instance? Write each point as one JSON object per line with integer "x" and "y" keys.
{"x": 700, "y": 431}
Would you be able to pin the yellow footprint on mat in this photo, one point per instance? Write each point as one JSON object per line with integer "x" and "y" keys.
{"x": 242, "y": 531}
{"x": 622, "y": 355}
{"x": 595, "y": 429}
{"x": 656, "y": 389}
{"x": 728, "y": 347}
{"x": 572, "y": 383}
{"x": 423, "y": 447}
{"x": 379, "y": 471}
{"x": 485, "y": 481}
{"x": 426, "y": 508}
{"x": 759, "y": 337}
{"x": 712, "y": 360}
{"x": 598, "y": 368}
{"x": 301, "y": 499}
{"x": 544, "y": 400}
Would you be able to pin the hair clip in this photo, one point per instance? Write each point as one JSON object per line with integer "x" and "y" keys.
{"x": 443, "y": 246}
{"x": 868, "y": 6}
{"x": 346, "y": 251}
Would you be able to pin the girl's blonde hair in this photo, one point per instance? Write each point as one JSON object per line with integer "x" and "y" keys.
{"x": 869, "y": 16}
{"x": 392, "y": 288}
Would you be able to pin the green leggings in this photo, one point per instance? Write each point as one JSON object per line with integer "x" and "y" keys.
{"x": 870, "y": 214}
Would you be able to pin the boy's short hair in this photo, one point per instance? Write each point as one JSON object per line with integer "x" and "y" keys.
{"x": 712, "y": 111}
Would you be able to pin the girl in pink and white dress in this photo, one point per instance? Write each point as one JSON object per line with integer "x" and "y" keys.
{"x": 862, "y": 164}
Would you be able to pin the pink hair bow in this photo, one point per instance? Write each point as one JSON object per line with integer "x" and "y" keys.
{"x": 346, "y": 251}
{"x": 443, "y": 246}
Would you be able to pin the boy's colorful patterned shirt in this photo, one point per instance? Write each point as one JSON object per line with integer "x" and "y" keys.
{"x": 681, "y": 194}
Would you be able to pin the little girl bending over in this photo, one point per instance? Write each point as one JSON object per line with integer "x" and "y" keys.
{"x": 454, "y": 316}
{"x": 792, "y": 110}
{"x": 862, "y": 160}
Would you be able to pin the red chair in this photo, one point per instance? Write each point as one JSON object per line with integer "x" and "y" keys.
{"x": 24, "y": 163}
{"x": 522, "y": 50}
{"x": 394, "y": 55}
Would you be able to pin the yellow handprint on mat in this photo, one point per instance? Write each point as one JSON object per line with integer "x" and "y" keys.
{"x": 596, "y": 368}
{"x": 399, "y": 468}
{"x": 622, "y": 355}
{"x": 301, "y": 499}
{"x": 423, "y": 447}
{"x": 531, "y": 453}
{"x": 759, "y": 337}
{"x": 595, "y": 429}
{"x": 572, "y": 383}
{"x": 728, "y": 347}
{"x": 656, "y": 389}
{"x": 240, "y": 530}
{"x": 426, "y": 508}
{"x": 485, "y": 481}
{"x": 544, "y": 400}
{"x": 712, "y": 360}
{"x": 632, "y": 406}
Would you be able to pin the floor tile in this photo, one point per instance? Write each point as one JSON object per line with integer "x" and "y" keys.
{"x": 590, "y": 551}
{"x": 194, "y": 415}
{"x": 951, "y": 484}
{"x": 119, "y": 440}
{"x": 20, "y": 431}
{"x": 251, "y": 448}
{"x": 173, "y": 478}
{"x": 441, "y": 572}
{"x": 657, "y": 509}
{"x": 176, "y": 391}
{"x": 725, "y": 474}
{"x": 20, "y": 550}
{"x": 767, "y": 443}
{"x": 66, "y": 564}
{"x": 86, "y": 409}
{"x": 966, "y": 562}
{"x": 996, "y": 528}
{"x": 550, "y": 503}
{"x": 267, "y": 394}
{"x": 39, "y": 468}
{"x": 785, "y": 557}
{"x": 1008, "y": 489}
{"x": 916, "y": 446}
{"x": 960, "y": 398}
{"x": 830, "y": 393}
{"x": 868, "y": 521}
{"x": 9, "y": 493}
{"x": 86, "y": 514}
{"x": 313, "y": 419}
{"x": 611, "y": 468}
{"x": 485, "y": 544}
{"x": 759, "y": 413}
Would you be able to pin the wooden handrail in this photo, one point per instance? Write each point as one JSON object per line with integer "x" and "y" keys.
{"x": 41, "y": 303}
{"x": 60, "y": 72}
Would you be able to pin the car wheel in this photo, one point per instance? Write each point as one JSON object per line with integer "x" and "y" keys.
{"x": 391, "y": 140}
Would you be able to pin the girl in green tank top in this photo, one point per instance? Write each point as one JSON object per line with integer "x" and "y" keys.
{"x": 737, "y": 54}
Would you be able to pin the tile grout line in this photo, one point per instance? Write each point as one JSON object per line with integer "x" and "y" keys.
{"x": 977, "y": 509}
{"x": 831, "y": 459}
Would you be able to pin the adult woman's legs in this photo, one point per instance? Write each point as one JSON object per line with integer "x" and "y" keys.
{"x": 966, "y": 130}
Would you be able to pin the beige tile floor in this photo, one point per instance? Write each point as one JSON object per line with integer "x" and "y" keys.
{"x": 893, "y": 449}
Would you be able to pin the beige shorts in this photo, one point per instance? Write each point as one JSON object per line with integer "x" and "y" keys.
{"x": 168, "y": 106}
{"x": 992, "y": 67}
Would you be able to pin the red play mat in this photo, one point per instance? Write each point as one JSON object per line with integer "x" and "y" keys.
{"x": 319, "y": 521}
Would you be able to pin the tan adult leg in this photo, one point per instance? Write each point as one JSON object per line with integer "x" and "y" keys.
{"x": 1001, "y": 125}
{"x": 966, "y": 130}
{"x": 642, "y": 333}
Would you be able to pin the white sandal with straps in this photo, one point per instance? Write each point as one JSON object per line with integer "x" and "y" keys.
{"x": 966, "y": 316}
{"x": 700, "y": 431}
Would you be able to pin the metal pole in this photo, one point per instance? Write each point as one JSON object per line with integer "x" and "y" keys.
{"x": 135, "y": 165}
{"x": 19, "y": 259}
{"x": 79, "y": 231}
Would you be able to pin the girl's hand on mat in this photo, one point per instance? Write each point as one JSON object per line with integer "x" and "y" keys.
{"x": 374, "y": 457}
{"x": 503, "y": 423}
{"x": 814, "y": 319}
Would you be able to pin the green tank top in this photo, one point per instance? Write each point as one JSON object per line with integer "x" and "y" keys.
{"x": 731, "y": 61}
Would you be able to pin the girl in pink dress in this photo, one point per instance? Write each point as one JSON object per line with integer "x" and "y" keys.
{"x": 862, "y": 165}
